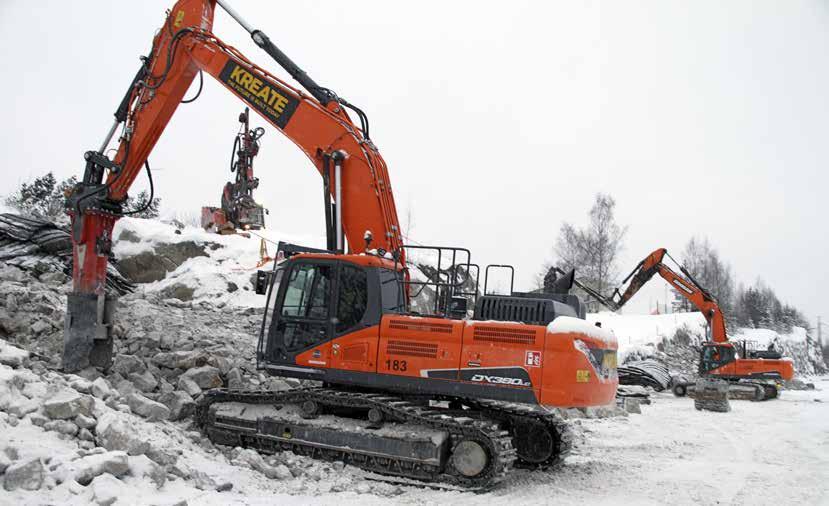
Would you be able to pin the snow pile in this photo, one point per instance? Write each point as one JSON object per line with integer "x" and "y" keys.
{"x": 196, "y": 265}
{"x": 32, "y": 311}
{"x": 126, "y": 434}
{"x": 567, "y": 324}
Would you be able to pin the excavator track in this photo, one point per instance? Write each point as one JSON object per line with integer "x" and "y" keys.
{"x": 225, "y": 416}
{"x": 762, "y": 391}
{"x": 741, "y": 390}
{"x": 541, "y": 437}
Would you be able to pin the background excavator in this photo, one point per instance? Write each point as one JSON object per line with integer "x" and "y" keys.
{"x": 433, "y": 397}
{"x": 719, "y": 357}
{"x": 239, "y": 210}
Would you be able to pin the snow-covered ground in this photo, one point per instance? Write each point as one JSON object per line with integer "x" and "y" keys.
{"x": 774, "y": 453}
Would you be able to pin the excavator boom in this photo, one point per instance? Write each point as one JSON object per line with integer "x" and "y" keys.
{"x": 687, "y": 286}
{"x": 322, "y": 129}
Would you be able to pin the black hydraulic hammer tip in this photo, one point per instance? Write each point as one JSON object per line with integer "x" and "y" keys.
{"x": 87, "y": 337}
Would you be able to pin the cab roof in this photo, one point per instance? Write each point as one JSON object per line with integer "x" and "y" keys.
{"x": 358, "y": 259}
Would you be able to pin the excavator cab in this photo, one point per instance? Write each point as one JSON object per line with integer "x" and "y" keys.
{"x": 715, "y": 356}
{"x": 314, "y": 298}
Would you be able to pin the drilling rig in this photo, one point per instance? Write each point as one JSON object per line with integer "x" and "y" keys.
{"x": 239, "y": 210}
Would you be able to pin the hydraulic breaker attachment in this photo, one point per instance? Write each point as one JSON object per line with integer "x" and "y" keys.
{"x": 88, "y": 332}
{"x": 89, "y": 313}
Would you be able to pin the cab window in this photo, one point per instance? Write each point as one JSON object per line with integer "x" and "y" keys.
{"x": 352, "y": 298}
{"x": 391, "y": 292}
{"x": 726, "y": 355}
{"x": 308, "y": 291}
{"x": 305, "y": 315}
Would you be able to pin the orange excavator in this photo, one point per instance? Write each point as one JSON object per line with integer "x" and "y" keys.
{"x": 436, "y": 397}
{"x": 718, "y": 356}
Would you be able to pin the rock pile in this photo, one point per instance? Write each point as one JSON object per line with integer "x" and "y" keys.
{"x": 131, "y": 424}
{"x": 104, "y": 441}
{"x": 78, "y": 411}
{"x": 163, "y": 346}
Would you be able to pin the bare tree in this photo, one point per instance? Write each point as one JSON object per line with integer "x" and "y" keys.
{"x": 408, "y": 223}
{"x": 593, "y": 250}
{"x": 703, "y": 261}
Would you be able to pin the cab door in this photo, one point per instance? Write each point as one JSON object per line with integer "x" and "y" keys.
{"x": 302, "y": 326}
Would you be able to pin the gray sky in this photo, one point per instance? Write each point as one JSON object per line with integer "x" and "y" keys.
{"x": 498, "y": 121}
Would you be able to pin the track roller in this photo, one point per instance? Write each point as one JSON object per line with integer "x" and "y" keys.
{"x": 469, "y": 458}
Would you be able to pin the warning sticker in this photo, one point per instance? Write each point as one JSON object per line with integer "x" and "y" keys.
{"x": 273, "y": 101}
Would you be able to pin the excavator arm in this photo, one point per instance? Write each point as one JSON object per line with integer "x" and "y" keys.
{"x": 355, "y": 173}
{"x": 687, "y": 286}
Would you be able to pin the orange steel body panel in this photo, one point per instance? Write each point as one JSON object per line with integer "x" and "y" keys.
{"x": 357, "y": 259}
{"x": 748, "y": 367}
{"x": 571, "y": 378}
{"x": 492, "y": 345}
{"x": 411, "y": 344}
{"x": 752, "y": 366}
{"x": 356, "y": 351}
{"x": 557, "y": 363}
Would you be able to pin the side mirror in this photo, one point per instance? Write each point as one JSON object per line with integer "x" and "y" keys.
{"x": 262, "y": 282}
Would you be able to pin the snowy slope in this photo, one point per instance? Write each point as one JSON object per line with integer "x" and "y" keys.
{"x": 763, "y": 337}
{"x": 636, "y": 332}
{"x": 230, "y": 258}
